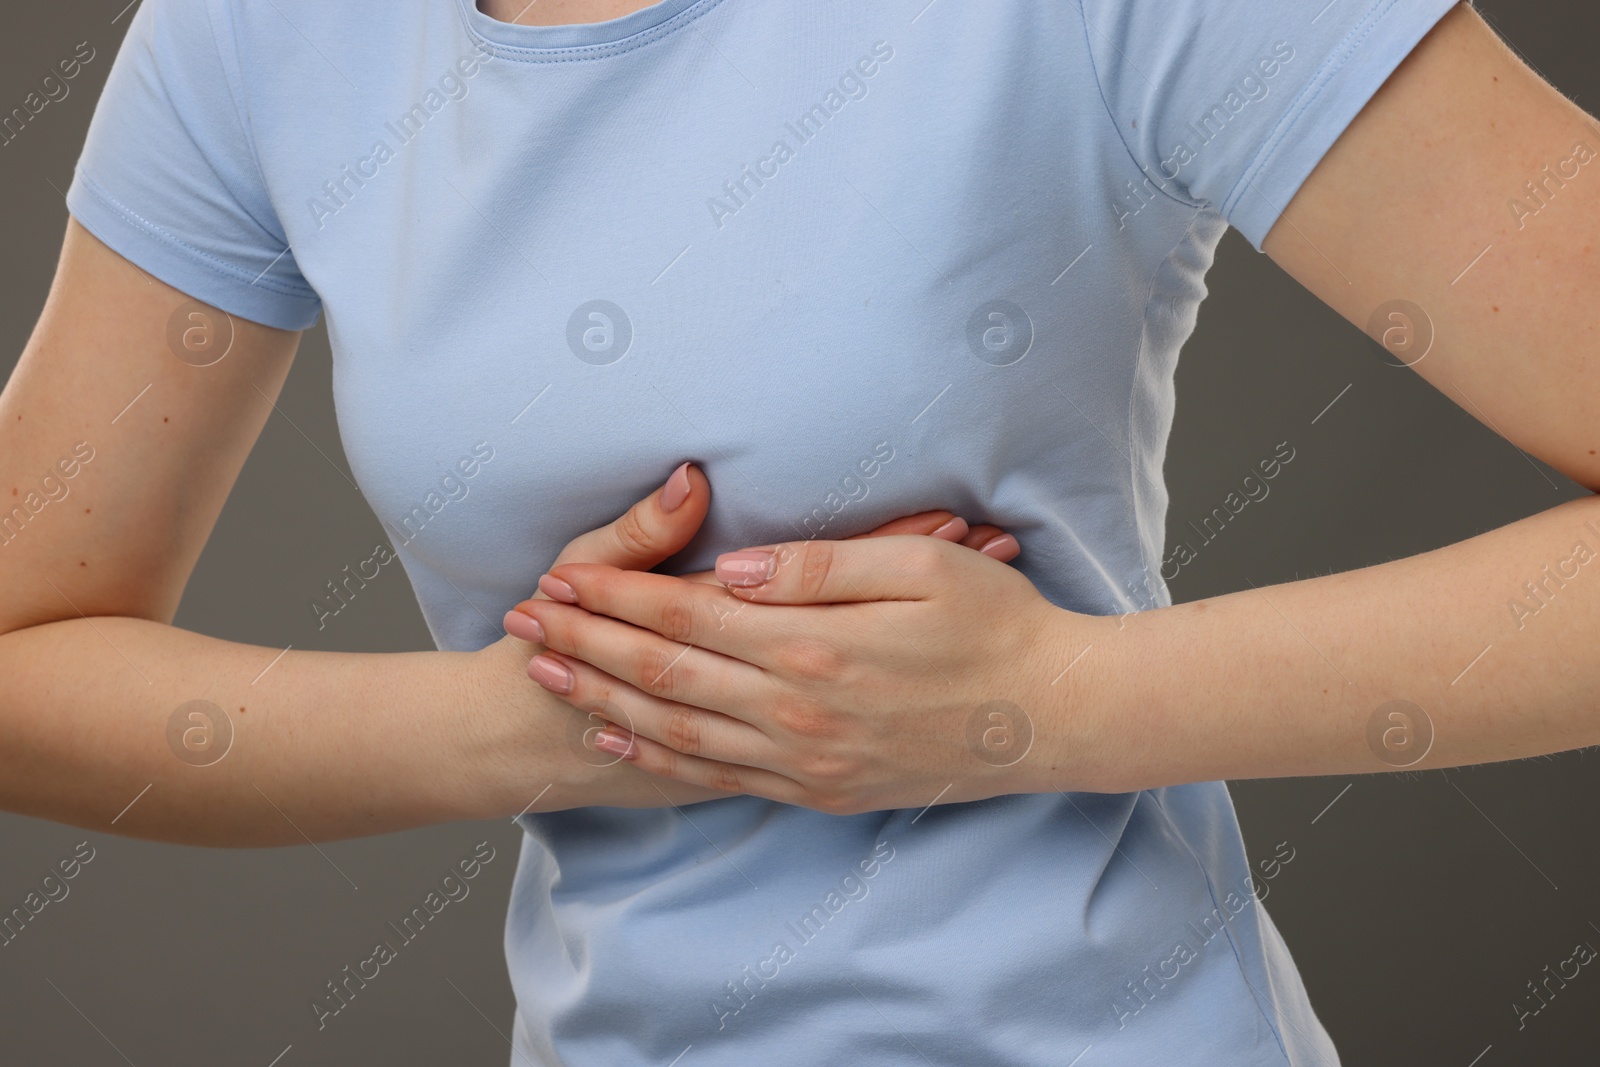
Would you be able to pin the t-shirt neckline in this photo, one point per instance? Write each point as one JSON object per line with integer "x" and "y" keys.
{"x": 596, "y": 38}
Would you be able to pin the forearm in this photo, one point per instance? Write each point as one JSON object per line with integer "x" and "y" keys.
{"x": 325, "y": 745}
{"x": 1286, "y": 680}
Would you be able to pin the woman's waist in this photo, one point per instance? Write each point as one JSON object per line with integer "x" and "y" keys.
{"x": 738, "y": 863}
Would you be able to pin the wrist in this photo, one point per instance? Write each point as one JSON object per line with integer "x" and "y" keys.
{"x": 1089, "y": 736}
{"x": 506, "y": 748}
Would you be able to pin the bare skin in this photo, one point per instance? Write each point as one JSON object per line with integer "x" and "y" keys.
{"x": 560, "y": 12}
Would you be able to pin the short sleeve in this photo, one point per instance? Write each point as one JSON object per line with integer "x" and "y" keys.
{"x": 168, "y": 175}
{"x": 1230, "y": 104}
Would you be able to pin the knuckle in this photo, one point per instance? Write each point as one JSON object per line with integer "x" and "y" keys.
{"x": 678, "y": 618}
{"x": 924, "y": 559}
{"x": 682, "y": 730}
{"x": 661, "y": 673}
{"x": 816, "y": 562}
{"x": 593, "y": 698}
{"x": 724, "y": 777}
{"x": 826, "y": 767}
{"x": 633, "y": 536}
{"x": 566, "y": 634}
{"x": 810, "y": 659}
{"x": 582, "y": 635}
{"x": 663, "y": 762}
{"x": 801, "y": 718}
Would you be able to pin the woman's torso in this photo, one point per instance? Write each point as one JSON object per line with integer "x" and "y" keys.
{"x": 585, "y": 262}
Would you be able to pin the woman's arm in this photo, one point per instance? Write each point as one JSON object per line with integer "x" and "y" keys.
{"x": 121, "y": 432}
{"x": 324, "y": 745}
{"x": 118, "y": 448}
{"x": 1470, "y": 188}
{"x": 899, "y": 673}
{"x": 1436, "y": 660}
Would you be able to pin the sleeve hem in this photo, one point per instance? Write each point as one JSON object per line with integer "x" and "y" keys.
{"x": 1318, "y": 118}
{"x": 261, "y": 299}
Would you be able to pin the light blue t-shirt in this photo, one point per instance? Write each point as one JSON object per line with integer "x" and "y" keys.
{"x": 856, "y": 260}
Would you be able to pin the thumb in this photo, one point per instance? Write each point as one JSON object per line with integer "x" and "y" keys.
{"x": 652, "y": 530}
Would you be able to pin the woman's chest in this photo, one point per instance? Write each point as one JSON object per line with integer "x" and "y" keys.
{"x": 847, "y": 295}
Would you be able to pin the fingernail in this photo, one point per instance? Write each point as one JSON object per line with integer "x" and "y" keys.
{"x": 524, "y": 626}
{"x": 556, "y": 589}
{"x": 954, "y": 530}
{"x": 550, "y": 674}
{"x": 749, "y": 567}
{"x": 1003, "y": 548}
{"x": 676, "y": 491}
{"x": 607, "y": 741}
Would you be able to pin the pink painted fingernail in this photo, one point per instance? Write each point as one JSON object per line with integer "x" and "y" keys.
{"x": 1003, "y": 548}
{"x": 954, "y": 530}
{"x": 676, "y": 491}
{"x": 752, "y": 566}
{"x": 608, "y": 741}
{"x": 550, "y": 674}
{"x": 556, "y": 589}
{"x": 524, "y": 626}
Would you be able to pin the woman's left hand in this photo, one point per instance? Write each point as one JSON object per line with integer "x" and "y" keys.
{"x": 844, "y": 676}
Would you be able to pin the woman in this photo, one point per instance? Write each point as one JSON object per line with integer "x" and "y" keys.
{"x": 879, "y": 800}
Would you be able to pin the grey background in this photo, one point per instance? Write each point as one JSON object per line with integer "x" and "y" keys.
{"x": 1417, "y": 905}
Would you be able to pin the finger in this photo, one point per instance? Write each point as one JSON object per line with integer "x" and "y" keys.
{"x": 733, "y": 779}
{"x": 977, "y": 536}
{"x": 993, "y": 542}
{"x": 688, "y": 730}
{"x": 675, "y": 612}
{"x": 655, "y": 528}
{"x": 942, "y": 524}
{"x": 665, "y": 668}
{"x": 838, "y": 572}
{"x": 637, "y": 721}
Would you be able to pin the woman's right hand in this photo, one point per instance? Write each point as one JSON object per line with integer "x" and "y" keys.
{"x": 644, "y": 536}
